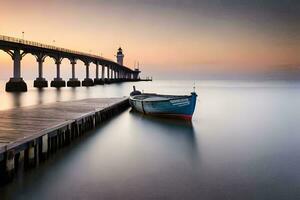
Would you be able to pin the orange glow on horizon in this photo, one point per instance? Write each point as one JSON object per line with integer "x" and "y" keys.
{"x": 173, "y": 42}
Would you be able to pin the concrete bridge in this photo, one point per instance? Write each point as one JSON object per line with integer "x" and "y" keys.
{"x": 18, "y": 48}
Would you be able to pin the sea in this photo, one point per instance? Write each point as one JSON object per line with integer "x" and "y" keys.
{"x": 242, "y": 143}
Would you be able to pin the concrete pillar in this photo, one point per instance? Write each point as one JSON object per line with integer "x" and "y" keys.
{"x": 58, "y": 81}
{"x": 87, "y": 81}
{"x": 112, "y": 72}
{"x": 87, "y": 70}
{"x": 40, "y": 82}
{"x": 73, "y": 82}
{"x": 58, "y": 63}
{"x": 108, "y": 72}
{"x": 40, "y": 69}
{"x": 97, "y": 80}
{"x": 108, "y": 75}
{"x": 16, "y": 83}
{"x": 97, "y": 70}
{"x": 73, "y": 63}
{"x": 17, "y": 64}
{"x": 102, "y": 75}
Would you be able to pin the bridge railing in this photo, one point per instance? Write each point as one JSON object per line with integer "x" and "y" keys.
{"x": 46, "y": 46}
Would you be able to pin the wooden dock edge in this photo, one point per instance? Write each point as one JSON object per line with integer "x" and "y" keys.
{"x": 28, "y": 152}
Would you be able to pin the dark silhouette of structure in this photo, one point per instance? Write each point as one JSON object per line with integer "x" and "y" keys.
{"x": 18, "y": 48}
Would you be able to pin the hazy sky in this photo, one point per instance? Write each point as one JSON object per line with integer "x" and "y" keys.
{"x": 174, "y": 37}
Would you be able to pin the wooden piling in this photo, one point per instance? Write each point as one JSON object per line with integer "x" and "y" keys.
{"x": 10, "y": 165}
{"x": 30, "y": 154}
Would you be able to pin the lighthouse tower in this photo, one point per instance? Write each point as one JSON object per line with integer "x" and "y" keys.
{"x": 120, "y": 56}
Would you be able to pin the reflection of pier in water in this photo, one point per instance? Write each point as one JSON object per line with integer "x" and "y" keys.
{"x": 29, "y": 134}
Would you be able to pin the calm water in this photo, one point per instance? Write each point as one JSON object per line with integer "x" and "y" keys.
{"x": 243, "y": 143}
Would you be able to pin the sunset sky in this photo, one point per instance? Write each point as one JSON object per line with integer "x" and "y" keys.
{"x": 169, "y": 37}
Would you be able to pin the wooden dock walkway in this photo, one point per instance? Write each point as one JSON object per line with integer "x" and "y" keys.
{"x": 28, "y": 134}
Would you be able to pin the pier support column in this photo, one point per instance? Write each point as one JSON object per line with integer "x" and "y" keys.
{"x": 2, "y": 168}
{"x": 73, "y": 82}
{"x": 97, "y": 80}
{"x": 58, "y": 81}
{"x": 123, "y": 76}
{"x": 87, "y": 81}
{"x": 44, "y": 150}
{"x": 118, "y": 76}
{"x": 102, "y": 73}
{"x": 115, "y": 75}
{"x": 111, "y": 75}
{"x": 16, "y": 83}
{"x": 107, "y": 78}
{"x": 40, "y": 82}
{"x": 127, "y": 77}
{"x": 20, "y": 161}
{"x": 30, "y": 155}
{"x": 10, "y": 165}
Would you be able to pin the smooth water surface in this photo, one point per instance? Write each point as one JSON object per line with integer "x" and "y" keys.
{"x": 243, "y": 143}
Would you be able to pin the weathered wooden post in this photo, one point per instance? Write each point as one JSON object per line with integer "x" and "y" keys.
{"x": 30, "y": 155}
{"x": 19, "y": 161}
{"x": 10, "y": 165}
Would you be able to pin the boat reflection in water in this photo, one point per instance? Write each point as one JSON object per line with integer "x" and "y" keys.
{"x": 178, "y": 132}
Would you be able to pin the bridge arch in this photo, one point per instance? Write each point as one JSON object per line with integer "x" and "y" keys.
{"x": 81, "y": 69}
{"x": 6, "y": 64}
{"x": 17, "y": 49}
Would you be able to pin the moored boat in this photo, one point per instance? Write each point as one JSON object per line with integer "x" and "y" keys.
{"x": 165, "y": 105}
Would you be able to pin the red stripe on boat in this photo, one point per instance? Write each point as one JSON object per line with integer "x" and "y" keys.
{"x": 181, "y": 116}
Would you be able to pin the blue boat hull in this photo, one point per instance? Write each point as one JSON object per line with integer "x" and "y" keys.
{"x": 178, "y": 106}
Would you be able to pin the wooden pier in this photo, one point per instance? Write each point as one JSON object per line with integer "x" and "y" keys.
{"x": 29, "y": 134}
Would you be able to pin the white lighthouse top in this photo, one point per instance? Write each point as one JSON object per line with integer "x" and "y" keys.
{"x": 120, "y": 56}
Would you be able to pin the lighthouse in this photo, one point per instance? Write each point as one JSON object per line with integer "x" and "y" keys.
{"x": 120, "y": 56}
